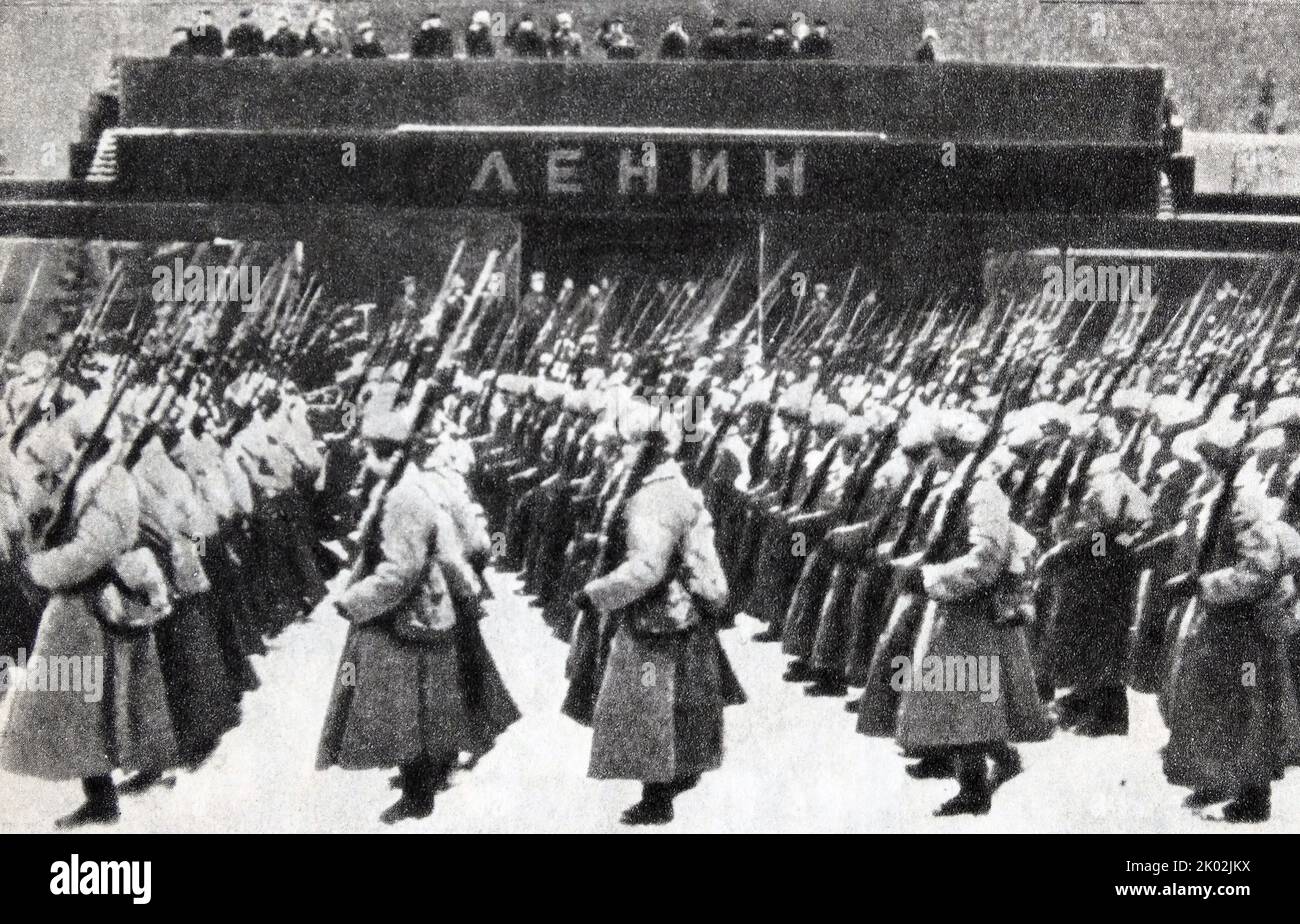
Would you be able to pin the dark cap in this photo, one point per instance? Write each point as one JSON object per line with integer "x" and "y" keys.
{"x": 820, "y": 22}
{"x": 745, "y": 24}
{"x": 719, "y": 23}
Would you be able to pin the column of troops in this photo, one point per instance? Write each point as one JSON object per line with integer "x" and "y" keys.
{"x": 917, "y": 505}
{"x": 163, "y": 502}
{"x": 913, "y": 503}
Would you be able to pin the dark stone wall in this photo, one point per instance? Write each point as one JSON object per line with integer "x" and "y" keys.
{"x": 55, "y": 54}
{"x": 958, "y": 102}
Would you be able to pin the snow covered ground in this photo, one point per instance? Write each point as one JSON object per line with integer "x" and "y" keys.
{"x": 793, "y": 764}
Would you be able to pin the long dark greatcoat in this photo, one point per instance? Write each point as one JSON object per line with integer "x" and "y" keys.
{"x": 968, "y": 598}
{"x": 1231, "y": 702}
{"x": 67, "y": 734}
{"x": 23, "y": 604}
{"x": 1095, "y": 597}
{"x": 396, "y": 700}
{"x": 658, "y": 713}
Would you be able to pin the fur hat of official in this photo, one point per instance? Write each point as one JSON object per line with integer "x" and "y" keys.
{"x": 1023, "y": 436}
{"x": 796, "y": 401}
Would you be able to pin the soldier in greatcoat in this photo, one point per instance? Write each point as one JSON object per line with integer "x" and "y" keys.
{"x": 105, "y": 594}
{"x": 1231, "y": 703}
{"x": 416, "y": 686}
{"x": 971, "y": 635}
{"x": 664, "y": 677}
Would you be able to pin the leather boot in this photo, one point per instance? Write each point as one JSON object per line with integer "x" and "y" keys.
{"x": 975, "y": 795}
{"x": 417, "y": 793}
{"x": 100, "y": 806}
{"x": 655, "y": 807}
{"x": 1252, "y": 805}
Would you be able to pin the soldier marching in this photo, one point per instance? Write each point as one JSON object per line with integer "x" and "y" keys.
{"x": 991, "y": 518}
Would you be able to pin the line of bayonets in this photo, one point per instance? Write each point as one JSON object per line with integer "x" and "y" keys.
{"x": 937, "y": 352}
{"x": 1008, "y": 351}
{"x": 165, "y": 349}
{"x": 429, "y": 359}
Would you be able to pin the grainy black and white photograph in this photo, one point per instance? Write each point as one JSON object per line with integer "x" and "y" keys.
{"x": 630, "y": 416}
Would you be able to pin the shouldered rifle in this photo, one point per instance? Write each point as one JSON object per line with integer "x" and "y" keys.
{"x": 57, "y": 531}
{"x": 372, "y": 520}
{"x": 24, "y": 308}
